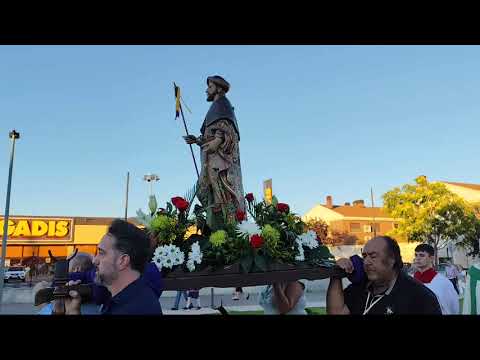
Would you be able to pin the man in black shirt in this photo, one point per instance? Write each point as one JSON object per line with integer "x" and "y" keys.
{"x": 385, "y": 290}
{"x": 122, "y": 255}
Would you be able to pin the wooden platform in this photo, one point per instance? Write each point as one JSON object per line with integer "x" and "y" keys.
{"x": 231, "y": 276}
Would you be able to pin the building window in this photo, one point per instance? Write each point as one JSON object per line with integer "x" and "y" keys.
{"x": 367, "y": 228}
{"x": 355, "y": 227}
{"x": 395, "y": 226}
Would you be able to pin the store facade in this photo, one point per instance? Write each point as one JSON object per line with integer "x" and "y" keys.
{"x": 31, "y": 237}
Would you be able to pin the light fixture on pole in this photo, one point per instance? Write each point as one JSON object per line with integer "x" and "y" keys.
{"x": 14, "y": 136}
{"x": 151, "y": 178}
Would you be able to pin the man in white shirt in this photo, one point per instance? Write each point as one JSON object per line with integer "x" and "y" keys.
{"x": 439, "y": 284}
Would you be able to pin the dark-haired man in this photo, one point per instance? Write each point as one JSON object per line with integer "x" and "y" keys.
{"x": 385, "y": 289}
{"x": 439, "y": 284}
{"x": 122, "y": 255}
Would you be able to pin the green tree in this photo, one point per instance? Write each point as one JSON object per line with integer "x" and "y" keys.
{"x": 429, "y": 212}
{"x": 470, "y": 240}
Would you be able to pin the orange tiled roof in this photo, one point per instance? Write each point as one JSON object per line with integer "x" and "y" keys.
{"x": 359, "y": 211}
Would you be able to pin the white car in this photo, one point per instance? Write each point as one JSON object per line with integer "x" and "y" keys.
{"x": 15, "y": 272}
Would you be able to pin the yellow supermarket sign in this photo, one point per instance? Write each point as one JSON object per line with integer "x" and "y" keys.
{"x": 38, "y": 229}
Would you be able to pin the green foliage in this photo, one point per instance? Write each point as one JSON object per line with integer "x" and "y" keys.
{"x": 274, "y": 201}
{"x": 316, "y": 311}
{"x": 246, "y": 264}
{"x": 271, "y": 236}
{"x": 165, "y": 228}
{"x": 429, "y": 212}
{"x": 321, "y": 255}
{"x": 152, "y": 204}
{"x": 190, "y": 196}
{"x": 144, "y": 219}
{"x": 260, "y": 262}
{"x": 228, "y": 245}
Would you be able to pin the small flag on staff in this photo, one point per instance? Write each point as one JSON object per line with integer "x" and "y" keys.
{"x": 178, "y": 112}
{"x": 177, "y": 101}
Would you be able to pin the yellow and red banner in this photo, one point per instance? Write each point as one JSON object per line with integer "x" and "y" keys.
{"x": 177, "y": 101}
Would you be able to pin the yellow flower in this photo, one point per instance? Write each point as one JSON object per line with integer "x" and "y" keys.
{"x": 191, "y": 231}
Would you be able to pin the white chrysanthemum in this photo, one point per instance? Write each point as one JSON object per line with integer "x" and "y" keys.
{"x": 248, "y": 228}
{"x": 190, "y": 265}
{"x": 196, "y": 252}
{"x": 194, "y": 256}
{"x": 167, "y": 256}
{"x": 308, "y": 239}
{"x": 178, "y": 258}
{"x": 301, "y": 254}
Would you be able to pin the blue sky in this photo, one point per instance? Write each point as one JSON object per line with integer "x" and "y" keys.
{"x": 318, "y": 120}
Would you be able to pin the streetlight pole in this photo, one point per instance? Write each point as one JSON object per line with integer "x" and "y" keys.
{"x": 14, "y": 136}
{"x": 126, "y": 196}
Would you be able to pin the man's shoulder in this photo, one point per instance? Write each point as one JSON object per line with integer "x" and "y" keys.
{"x": 419, "y": 297}
{"x": 408, "y": 283}
{"x": 145, "y": 300}
{"x": 441, "y": 278}
{"x": 355, "y": 288}
{"x": 443, "y": 282}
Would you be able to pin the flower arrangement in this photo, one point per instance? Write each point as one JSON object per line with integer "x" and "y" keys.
{"x": 273, "y": 235}
{"x": 276, "y": 236}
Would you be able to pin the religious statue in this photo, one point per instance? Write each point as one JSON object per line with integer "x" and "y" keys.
{"x": 219, "y": 188}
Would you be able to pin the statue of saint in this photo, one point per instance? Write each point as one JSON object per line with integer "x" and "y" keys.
{"x": 220, "y": 189}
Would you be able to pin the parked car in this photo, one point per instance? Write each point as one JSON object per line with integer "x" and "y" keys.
{"x": 15, "y": 272}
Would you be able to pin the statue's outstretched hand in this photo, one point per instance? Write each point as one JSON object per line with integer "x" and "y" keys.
{"x": 190, "y": 139}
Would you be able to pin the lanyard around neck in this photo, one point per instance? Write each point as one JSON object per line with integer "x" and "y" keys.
{"x": 366, "y": 310}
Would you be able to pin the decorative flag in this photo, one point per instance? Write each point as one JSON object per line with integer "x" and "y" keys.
{"x": 267, "y": 191}
{"x": 177, "y": 101}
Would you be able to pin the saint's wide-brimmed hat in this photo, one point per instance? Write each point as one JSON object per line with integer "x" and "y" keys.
{"x": 220, "y": 81}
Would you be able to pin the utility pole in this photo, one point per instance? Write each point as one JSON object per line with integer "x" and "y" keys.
{"x": 14, "y": 136}
{"x": 126, "y": 197}
{"x": 373, "y": 214}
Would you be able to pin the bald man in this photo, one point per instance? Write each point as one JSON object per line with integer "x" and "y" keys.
{"x": 385, "y": 290}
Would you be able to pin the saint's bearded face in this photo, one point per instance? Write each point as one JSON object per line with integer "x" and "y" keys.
{"x": 211, "y": 91}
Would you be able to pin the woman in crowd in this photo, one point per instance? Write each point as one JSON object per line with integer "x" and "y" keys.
{"x": 284, "y": 299}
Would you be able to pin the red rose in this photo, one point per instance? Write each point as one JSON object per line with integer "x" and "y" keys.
{"x": 180, "y": 203}
{"x": 256, "y": 241}
{"x": 284, "y": 208}
{"x": 240, "y": 215}
{"x": 249, "y": 197}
